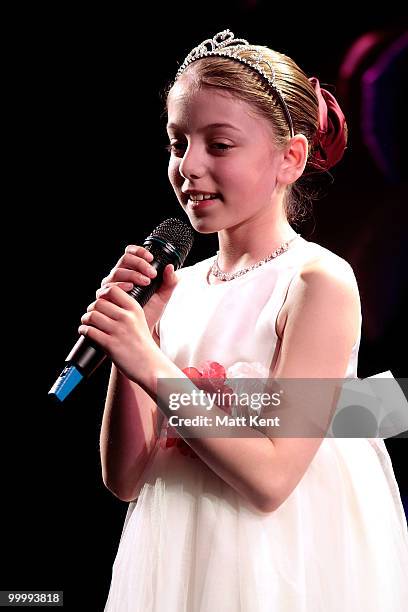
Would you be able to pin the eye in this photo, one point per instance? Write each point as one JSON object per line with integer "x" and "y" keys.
{"x": 221, "y": 146}
{"x": 175, "y": 147}
{"x": 178, "y": 148}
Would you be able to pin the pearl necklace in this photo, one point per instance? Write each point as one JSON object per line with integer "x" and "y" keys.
{"x": 227, "y": 276}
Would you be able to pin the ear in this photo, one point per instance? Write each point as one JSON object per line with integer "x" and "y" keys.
{"x": 294, "y": 160}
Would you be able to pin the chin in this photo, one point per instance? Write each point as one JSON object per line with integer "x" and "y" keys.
{"x": 205, "y": 223}
{"x": 203, "y": 226}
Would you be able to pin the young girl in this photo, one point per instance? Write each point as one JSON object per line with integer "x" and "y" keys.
{"x": 244, "y": 524}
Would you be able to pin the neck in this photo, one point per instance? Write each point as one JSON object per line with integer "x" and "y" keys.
{"x": 249, "y": 242}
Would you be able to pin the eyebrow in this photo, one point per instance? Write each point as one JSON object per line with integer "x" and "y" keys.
{"x": 174, "y": 126}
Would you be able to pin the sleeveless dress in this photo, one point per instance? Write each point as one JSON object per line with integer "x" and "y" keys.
{"x": 190, "y": 543}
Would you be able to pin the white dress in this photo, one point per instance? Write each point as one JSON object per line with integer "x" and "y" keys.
{"x": 190, "y": 543}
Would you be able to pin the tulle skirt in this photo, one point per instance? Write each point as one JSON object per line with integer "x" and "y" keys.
{"x": 339, "y": 543}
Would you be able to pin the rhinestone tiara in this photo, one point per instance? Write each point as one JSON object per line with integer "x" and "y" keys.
{"x": 224, "y": 44}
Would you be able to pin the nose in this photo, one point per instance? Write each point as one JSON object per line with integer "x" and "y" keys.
{"x": 192, "y": 166}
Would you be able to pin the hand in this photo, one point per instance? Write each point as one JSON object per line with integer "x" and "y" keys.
{"x": 117, "y": 323}
{"x": 133, "y": 268}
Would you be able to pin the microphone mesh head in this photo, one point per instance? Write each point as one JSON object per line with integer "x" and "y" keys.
{"x": 178, "y": 233}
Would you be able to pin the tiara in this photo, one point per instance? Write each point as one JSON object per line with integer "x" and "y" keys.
{"x": 225, "y": 44}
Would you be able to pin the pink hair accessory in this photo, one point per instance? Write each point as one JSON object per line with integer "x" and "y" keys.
{"x": 331, "y": 138}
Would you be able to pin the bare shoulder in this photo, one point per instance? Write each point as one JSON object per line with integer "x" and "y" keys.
{"x": 321, "y": 319}
{"x": 325, "y": 277}
{"x": 329, "y": 265}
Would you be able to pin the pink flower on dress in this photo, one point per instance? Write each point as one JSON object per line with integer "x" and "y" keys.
{"x": 210, "y": 378}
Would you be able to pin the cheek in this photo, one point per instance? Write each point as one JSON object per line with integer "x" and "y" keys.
{"x": 237, "y": 180}
{"x": 173, "y": 172}
{"x": 258, "y": 178}
{"x": 230, "y": 175}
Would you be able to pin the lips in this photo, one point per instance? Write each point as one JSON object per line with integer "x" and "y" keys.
{"x": 199, "y": 204}
{"x": 200, "y": 195}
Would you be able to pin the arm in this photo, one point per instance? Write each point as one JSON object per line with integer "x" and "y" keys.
{"x": 320, "y": 331}
{"x": 128, "y": 434}
{"x": 129, "y": 423}
{"x": 321, "y": 328}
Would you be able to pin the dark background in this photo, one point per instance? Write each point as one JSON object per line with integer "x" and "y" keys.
{"x": 87, "y": 175}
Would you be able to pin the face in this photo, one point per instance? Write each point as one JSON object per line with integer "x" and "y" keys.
{"x": 222, "y": 150}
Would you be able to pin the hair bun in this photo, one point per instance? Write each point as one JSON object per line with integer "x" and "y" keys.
{"x": 331, "y": 137}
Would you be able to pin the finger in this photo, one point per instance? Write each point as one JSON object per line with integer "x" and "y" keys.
{"x": 121, "y": 299}
{"x": 107, "y": 308}
{"x": 135, "y": 258}
{"x": 127, "y": 276}
{"x": 140, "y": 251}
{"x": 99, "y": 321}
{"x": 171, "y": 270}
{"x": 122, "y": 285}
{"x": 169, "y": 276}
{"x": 95, "y": 335}
{"x": 133, "y": 262}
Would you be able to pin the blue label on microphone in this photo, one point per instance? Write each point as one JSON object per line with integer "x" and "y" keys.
{"x": 69, "y": 378}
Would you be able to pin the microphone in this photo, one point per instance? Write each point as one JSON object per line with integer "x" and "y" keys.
{"x": 169, "y": 243}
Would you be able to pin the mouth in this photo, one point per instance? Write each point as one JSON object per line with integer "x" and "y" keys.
{"x": 200, "y": 201}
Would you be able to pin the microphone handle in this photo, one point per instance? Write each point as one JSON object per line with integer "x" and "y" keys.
{"x": 169, "y": 243}
{"x": 86, "y": 355}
